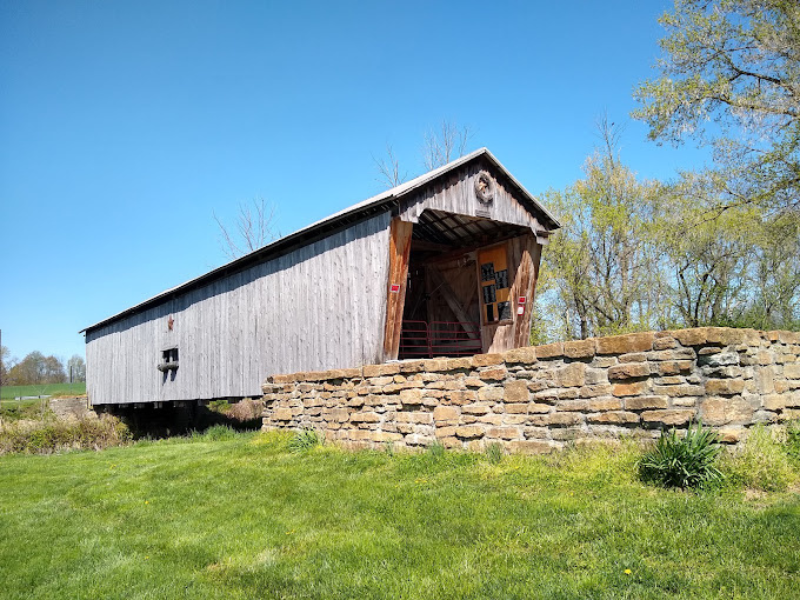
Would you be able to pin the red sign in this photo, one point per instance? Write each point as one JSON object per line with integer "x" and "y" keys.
{"x": 522, "y": 300}
{"x": 395, "y": 288}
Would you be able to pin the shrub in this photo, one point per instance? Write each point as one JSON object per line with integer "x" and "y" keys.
{"x": 50, "y": 435}
{"x": 687, "y": 462}
{"x": 304, "y": 440}
{"x": 219, "y": 406}
{"x": 494, "y": 453}
{"x": 762, "y": 463}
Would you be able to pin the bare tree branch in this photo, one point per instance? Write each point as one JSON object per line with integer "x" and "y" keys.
{"x": 445, "y": 144}
{"x": 253, "y": 229}
{"x": 389, "y": 169}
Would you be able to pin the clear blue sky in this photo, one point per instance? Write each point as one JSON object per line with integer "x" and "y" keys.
{"x": 124, "y": 125}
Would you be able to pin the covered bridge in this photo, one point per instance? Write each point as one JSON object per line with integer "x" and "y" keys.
{"x": 443, "y": 265}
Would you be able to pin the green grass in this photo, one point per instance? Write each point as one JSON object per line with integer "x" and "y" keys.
{"x": 52, "y": 389}
{"x": 243, "y": 517}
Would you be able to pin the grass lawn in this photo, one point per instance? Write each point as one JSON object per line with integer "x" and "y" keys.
{"x": 245, "y": 518}
{"x": 8, "y": 392}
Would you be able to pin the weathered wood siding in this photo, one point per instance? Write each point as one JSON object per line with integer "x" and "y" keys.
{"x": 319, "y": 307}
{"x": 455, "y": 193}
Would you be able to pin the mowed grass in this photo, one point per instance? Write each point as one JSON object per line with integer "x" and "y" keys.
{"x": 51, "y": 389}
{"x": 246, "y": 518}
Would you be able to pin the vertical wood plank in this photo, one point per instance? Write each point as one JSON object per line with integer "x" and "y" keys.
{"x": 399, "y": 253}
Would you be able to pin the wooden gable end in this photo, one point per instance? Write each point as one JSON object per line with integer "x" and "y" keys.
{"x": 476, "y": 189}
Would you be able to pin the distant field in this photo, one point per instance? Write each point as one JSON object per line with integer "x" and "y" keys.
{"x": 11, "y": 392}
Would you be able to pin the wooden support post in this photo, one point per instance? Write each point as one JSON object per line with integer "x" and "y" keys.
{"x": 399, "y": 253}
{"x": 525, "y": 285}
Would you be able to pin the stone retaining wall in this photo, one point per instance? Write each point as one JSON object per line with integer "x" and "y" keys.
{"x": 537, "y": 399}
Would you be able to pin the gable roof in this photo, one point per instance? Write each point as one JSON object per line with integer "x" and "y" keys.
{"x": 367, "y": 208}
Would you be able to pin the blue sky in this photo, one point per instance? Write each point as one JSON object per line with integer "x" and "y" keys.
{"x": 125, "y": 125}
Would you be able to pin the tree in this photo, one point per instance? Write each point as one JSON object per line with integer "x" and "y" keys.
{"x": 254, "y": 228}
{"x": 38, "y": 369}
{"x": 736, "y": 63}
{"x": 76, "y": 368}
{"x": 389, "y": 169}
{"x": 444, "y": 144}
{"x": 704, "y": 254}
{"x": 440, "y": 146}
{"x": 599, "y": 274}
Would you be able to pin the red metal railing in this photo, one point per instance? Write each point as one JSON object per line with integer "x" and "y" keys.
{"x": 419, "y": 339}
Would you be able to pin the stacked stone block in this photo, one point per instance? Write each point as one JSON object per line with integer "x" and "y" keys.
{"x": 538, "y": 399}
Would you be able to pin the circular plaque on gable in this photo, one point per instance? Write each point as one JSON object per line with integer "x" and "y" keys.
{"x": 484, "y": 188}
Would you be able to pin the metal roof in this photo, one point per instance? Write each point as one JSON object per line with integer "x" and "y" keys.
{"x": 369, "y": 207}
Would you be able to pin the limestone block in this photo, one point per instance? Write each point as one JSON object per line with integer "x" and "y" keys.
{"x": 673, "y": 367}
{"x": 495, "y": 374}
{"x": 365, "y": 417}
{"x": 382, "y": 437}
{"x": 563, "y": 419}
{"x": 691, "y": 337}
{"x": 378, "y": 370}
{"x": 470, "y": 431}
{"x": 721, "y": 411}
{"x": 594, "y": 376}
{"x": 580, "y": 348}
{"x": 516, "y": 392}
{"x": 679, "y": 390}
{"x": 414, "y": 417}
{"x": 664, "y": 341}
{"x": 550, "y": 351}
{"x": 791, "y": 371}
{"x": 633, "y": 357}
{"x": 411, "y": 396}
{"x": 491, "y": 394}
{"x": 536, "y": 408}
{"x": 670, "y": 418}
{"x": 646, "y": 403}
{"x": 630, "y": 389}
{"x": 487, "y": 360}
{"x": 618, "y": 417}
{"x": 571, "y": 375}
{"x": 572, "y": 405}
{"x": 525, "y": 356}
{"x": 602, "y": 404}
{"x": 629, "y": 371}
{"x": 475, "y": 409}
{"x": 622, "y": 344}
{"x": 718, "y": 359}
{"x": 530, "y": 447}
{"x": 282, "y": 414}
{"x": 724, "y": 387}
{"x": 446, "y": 413}
{"x": 504, "y": 433}
{"x": 592, "y": 391}
{"x": 514, "y": 420}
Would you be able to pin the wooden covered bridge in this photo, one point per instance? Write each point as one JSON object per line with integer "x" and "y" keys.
{"x": 443, "y": 265}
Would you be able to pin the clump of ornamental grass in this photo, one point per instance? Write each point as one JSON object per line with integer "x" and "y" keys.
{"x": 764, "y": 461}
{"x": 50, "y": 435}
{"x": 494, "y": 453}
{"x": 304, "y": 440}
{"x": 687, "y": 462}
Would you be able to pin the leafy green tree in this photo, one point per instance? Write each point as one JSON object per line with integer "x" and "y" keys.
{"x": 599, "y": 274}
{"x": 730, "y": 76}
{"x": 76, "y": 368}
